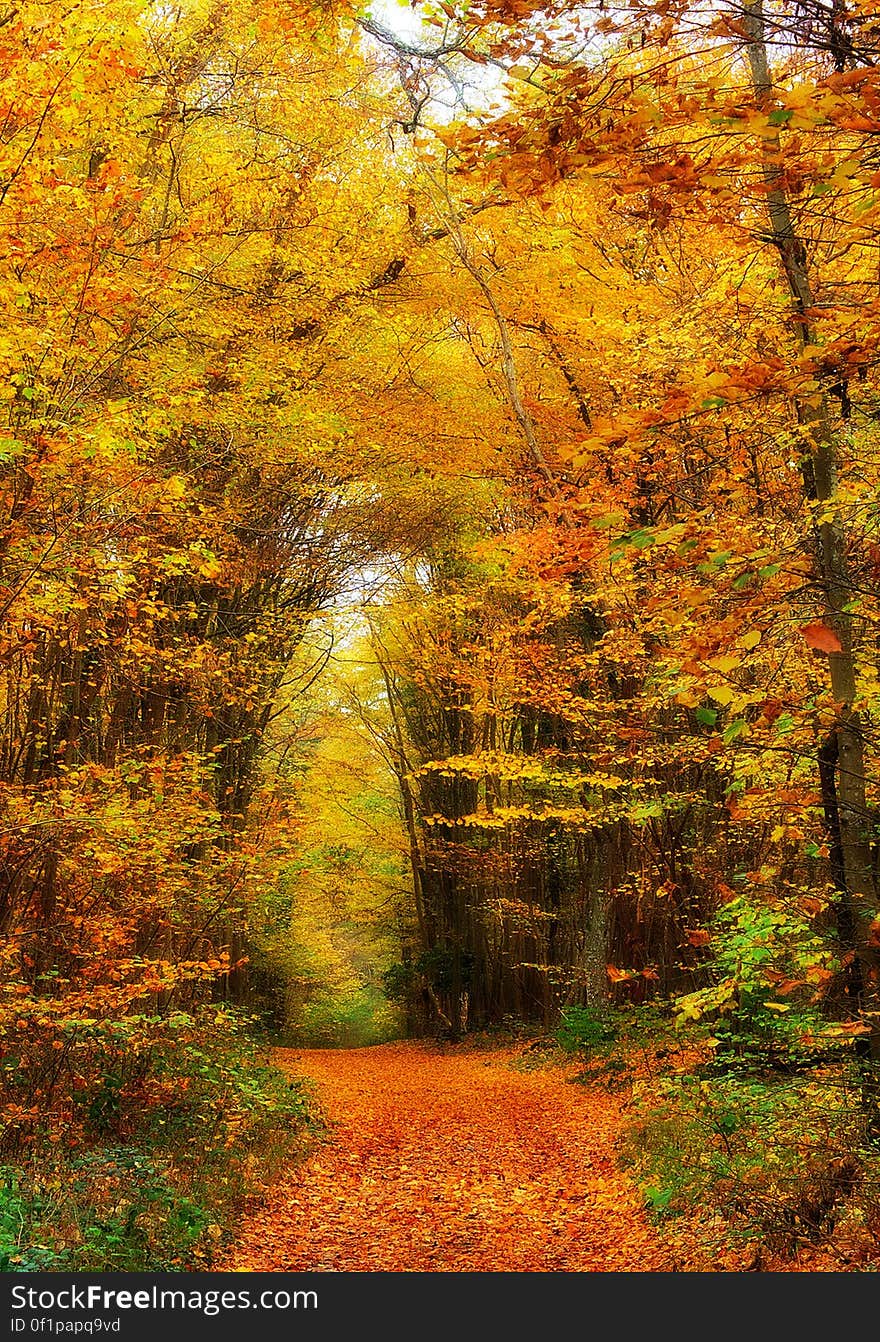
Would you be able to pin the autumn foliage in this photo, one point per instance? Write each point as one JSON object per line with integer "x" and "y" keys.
{"x": 440, "y": 542}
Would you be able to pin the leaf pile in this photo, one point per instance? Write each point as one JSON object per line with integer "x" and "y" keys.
{"x": 446, "y": 1161}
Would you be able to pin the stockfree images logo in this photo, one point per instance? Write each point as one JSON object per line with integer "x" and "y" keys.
{"x": 96, "y": 1297}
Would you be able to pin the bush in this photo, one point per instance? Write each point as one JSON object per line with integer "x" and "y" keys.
{"x": 773, "y": 970}
{"x": 21, "y": 1207}
{"x": 158, "y": 1153}
{"x": 587, "y": 1029}
{"x": 786, "y": 1161}
{"x": 765, "y": 1129}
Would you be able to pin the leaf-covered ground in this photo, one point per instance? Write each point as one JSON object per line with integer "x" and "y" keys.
{"x": 441, "y": 1159}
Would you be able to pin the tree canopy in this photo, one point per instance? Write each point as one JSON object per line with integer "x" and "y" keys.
{"x": 440, "y": 561}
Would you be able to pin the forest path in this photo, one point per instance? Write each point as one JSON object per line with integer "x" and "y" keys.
{"x": 446, "y": 1159}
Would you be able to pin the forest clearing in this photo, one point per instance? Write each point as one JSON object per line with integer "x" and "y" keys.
{"x": 439, "y": 658}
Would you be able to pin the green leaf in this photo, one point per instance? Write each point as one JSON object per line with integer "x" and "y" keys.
{"x": 10, "y": 448}
{"x": 658, "y": 1199}
{"x": 642, "y": 539}
{"x": 609, "y": 520}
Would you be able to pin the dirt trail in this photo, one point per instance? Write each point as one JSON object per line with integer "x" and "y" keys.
{"x": 444, "y": 1160}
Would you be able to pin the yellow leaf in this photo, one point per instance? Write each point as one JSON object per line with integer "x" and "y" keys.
{"x": 724, "y": 664}
{"x": 175, "y": 487}
{"x": 722, "y": 694}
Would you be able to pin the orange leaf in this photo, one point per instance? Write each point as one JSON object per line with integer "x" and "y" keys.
{"x": 697, "y": 936}
{"x": 818, "y": 635}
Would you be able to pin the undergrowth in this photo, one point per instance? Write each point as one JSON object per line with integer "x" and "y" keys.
{"x": 783, "y": 1163}
{"x": 753, "y": 1111}
{"x": 152, "y": 1161}
{"x": 744, "y": 1127}
{"x": 615, "y": 1043}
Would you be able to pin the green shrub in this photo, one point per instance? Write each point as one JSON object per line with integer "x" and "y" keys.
{"x": 587, "y": 1029}
{"x": 22, "y": 1207}
{"x": 783, "y": 1160}
{"x": 204, "y": 1120}
{"x": 771, "y": 966}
